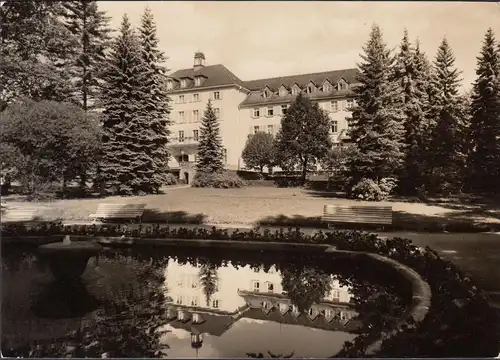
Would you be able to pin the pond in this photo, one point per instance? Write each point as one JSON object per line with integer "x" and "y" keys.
{"x": 188, "y": 302}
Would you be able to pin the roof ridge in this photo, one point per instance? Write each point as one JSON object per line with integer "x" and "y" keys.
{"x": 298, "y": 74}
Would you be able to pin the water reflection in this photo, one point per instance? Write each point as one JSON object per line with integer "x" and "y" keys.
{"x": 190, "y": 303}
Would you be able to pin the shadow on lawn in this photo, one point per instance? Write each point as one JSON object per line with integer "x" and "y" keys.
{"x": 172, "y": 217}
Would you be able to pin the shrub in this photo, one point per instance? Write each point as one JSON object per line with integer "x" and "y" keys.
{"x": 171, "y": 179}
{"x": 366, "y": 189}
{"x": 387, "y": 186}
{"x": 224, "y": 180}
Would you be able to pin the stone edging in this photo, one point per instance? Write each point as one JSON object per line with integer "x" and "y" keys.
{"x": 421, "y": 292}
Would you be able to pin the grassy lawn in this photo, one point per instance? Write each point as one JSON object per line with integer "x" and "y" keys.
{"x": 253, "y": 205}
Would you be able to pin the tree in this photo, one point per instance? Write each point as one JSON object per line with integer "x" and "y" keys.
{"x": 208, "y": 278}
{"x": 377, "y": 121}
{"x": 484, "y": 159}
{"x": 259, "y": 151}
{"x": 128, "y": 141}
{"x": 156, "y": 101}
{"x": 447, "y": 163}
{"x": 304, "y": 136}
{"x": 90, "y": 27}
{"x": 336, "y": 164}
{"x": 34, "y": 52}
{"x": 48, "y": 141}
{"x": 210, "y": 151}
{"x": 410, "y": 72}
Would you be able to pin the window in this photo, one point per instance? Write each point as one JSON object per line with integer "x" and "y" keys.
{"x": 181, "y": 136}
{"x": 335, "y": 295}
{"x": 344, "y": 315}
{"x": 327, "y": 87}
{"x": 197, "y": 318}
{"x": 311, "y": 88}
{"x": 283, "y": 109}
{"x": 215, "y": 303}
{"x": 295, "y": 90}
{"x": 216, "y": 95}
{"x": 283, "y": 308}
{"x": 270, "y": 287}
{"x": 196, "y": 116}
{"x": 349, "y": 104}
{"x": 342, "y": 85}
{"x": 256, "y": 129}
{"x": 311, "y": 312}
{"x": 194, "y": 301}
{"x": 178, "y": 300}
{"x": 196, "y": 97}
{"x": 181, "y": 99}
{"x": 217, "y": 113}
{"x": 335, "y": 105}
{"x": 256, "y": 286}
{"x": 270, "y": 111}
{"x": 267, "y": 305}
{"x": 328, "y": 314}
{"x": 224, "y": 151}
{"x": 270, "y": 129}
{"x": 256, "y": 113}
{"x": 181, "y": 315}
{"x": 197, "y": 81}
{"x": 335, "y": 128}
{"x": 183, "y": 83}
{"x": 267, "y": 93}
{"x": 195, "y": 135}
{"x": 194, "y": 280}
{"x": 170, "y": 85}
{"x": 181, "y": 116}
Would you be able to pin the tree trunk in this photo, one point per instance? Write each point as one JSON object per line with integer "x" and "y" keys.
{"x": 304, "y": 170}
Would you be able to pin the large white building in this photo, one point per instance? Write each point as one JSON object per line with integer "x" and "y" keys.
{"x": 246, "y": 107}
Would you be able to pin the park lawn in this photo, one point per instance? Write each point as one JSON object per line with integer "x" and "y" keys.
{"x": 253, "y": 205}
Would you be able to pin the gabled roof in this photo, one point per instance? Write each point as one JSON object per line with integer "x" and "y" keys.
{"x": 216, "y": 75}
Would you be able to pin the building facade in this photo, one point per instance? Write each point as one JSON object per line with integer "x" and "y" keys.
{"x": 246, "y": 107}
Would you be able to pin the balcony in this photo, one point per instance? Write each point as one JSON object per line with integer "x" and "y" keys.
{"x": 183, "y": 141}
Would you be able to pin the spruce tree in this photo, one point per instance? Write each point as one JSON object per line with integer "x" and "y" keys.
{"x": 90, "y": 26}
{"x": 156, "y": 101}
{"x": 377, "y": 120}
{"x": 304, "y": 136}
{"x": 210, "y": 151}
{"x": 126, "y": 167}
{"x": 485, "y": 123}
{"x": 448, "y": 130}
{"x": 410, "y": 73}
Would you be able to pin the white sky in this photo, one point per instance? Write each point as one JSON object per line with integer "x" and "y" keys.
{"x": 265, "y": 39}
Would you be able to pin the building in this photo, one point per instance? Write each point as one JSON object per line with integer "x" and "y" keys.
{"x": 246, "y": 107}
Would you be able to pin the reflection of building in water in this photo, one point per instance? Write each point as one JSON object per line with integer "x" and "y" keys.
{"x": 247, "y": 293}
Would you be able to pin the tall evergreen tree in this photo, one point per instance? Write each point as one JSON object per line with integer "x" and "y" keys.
{"x": 304, "y": 136}
{"x": 90, "y": 26}
{"x": 448, "y": 129}
{"x": 410, "y": 73}
{"x": 127, "y": 167}
{"x": 210, "y": 150}
{"x": 484, "y": 159}
{"x": 156, "y": 101}
{"x": 377, "y": 120}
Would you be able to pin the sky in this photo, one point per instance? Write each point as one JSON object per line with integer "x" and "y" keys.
{"x": 259, "y": 39}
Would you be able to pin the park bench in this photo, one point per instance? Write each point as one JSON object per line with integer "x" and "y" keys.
{"x": 131, "y": 212}
{"x": 24, "y": 214}
{"x": 359, "y": 214}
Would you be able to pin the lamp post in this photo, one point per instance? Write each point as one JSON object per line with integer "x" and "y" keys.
{"x": 196, "y": 340}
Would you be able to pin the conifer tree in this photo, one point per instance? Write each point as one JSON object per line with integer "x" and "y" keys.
{"x": 127, "y": 167}
{"x": 90, "y": 26}
{"x": 156, "y": 101}
{"x": 304, "y": 136}
{"x": 485, "y": 123}
{"x": 377, "y": 120}
{"x": 448, "y": 128}
{"x": 410, "y": 73}
{"x": 210, "y": 151}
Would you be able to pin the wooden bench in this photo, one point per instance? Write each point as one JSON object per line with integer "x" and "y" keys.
{"x": 131, "y": 212}
{"x": 18, "y": 215}
{"x": 360, "y": 214}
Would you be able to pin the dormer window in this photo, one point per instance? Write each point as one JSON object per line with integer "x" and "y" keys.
{"x": 311, "y": 88}
{"x": 327, "y": 86}
{"x": 283, "y": 91}
{"x": 183, "y": 83}
{"x": 295, "y": 89}
{"x": 342, "y": 85}
{"x": 170, "y": 85}
{"x": 267, "y": 93}
{"x": 197, "y": 81}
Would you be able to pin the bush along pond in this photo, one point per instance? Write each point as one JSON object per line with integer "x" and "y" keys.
{"x": 144, "y": 300}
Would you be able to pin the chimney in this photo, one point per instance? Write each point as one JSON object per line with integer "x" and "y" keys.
{"x": 199, "y": 61}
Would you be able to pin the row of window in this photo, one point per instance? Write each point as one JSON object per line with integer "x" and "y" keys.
{"x": 272, "y": 128}
{"x": 195, "y": 116}
{"x": 313, "y": 312}
{"x": 185, "y": 158}
{"x": 311, "y": 88}
{"x": 267, "y": 286}
{"x": 181, "y": 99}
{"x": 334, "y": 106}
{"x": 194, "y": 301}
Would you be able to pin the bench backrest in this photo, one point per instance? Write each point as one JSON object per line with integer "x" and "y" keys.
{"x": 21, "y": 214}
{"x": 369, "y": 214}
{"x": 119, "y": 211}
